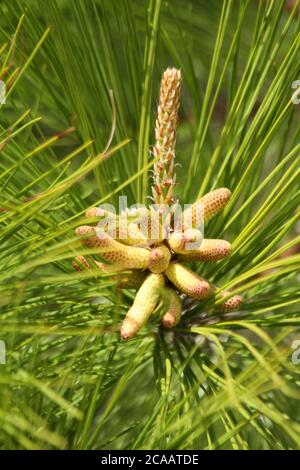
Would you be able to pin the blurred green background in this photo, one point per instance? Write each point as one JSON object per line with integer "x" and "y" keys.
{"x": 215, "y": 382}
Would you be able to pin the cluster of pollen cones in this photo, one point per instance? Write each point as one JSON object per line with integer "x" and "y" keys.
{"x": 156, "y": 268}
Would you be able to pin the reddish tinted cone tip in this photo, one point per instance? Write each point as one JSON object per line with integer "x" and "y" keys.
{"x": 128, "y": 329}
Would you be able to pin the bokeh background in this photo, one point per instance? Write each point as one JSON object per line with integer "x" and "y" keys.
{"x": 215, "y": 381}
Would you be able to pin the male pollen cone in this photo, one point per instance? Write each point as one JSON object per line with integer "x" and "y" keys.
{"x": 143, "y": 305}
{"x": 210, "y": 250}
{"x": 173, "y": 313}
{"x": 187, "y": 281}
{"x": 111, "y": 250}
{"x": 160, "y": 257}
{"x": 230, "y": 304}
{"x": 207, "y": 206}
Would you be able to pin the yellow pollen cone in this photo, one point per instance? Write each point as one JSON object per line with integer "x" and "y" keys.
{"x": 208, "y": 206}
{"x": 181, "y": 241}
{"x": 173, "y": 314}
{"x": 111, "y": 250}
{"x": 160, "y": 257}
{"x": 187, "y": 281}
{"x": 230, "y": 304}
{"x": 144, "y": 303}
{"x": 210, "y": 250}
